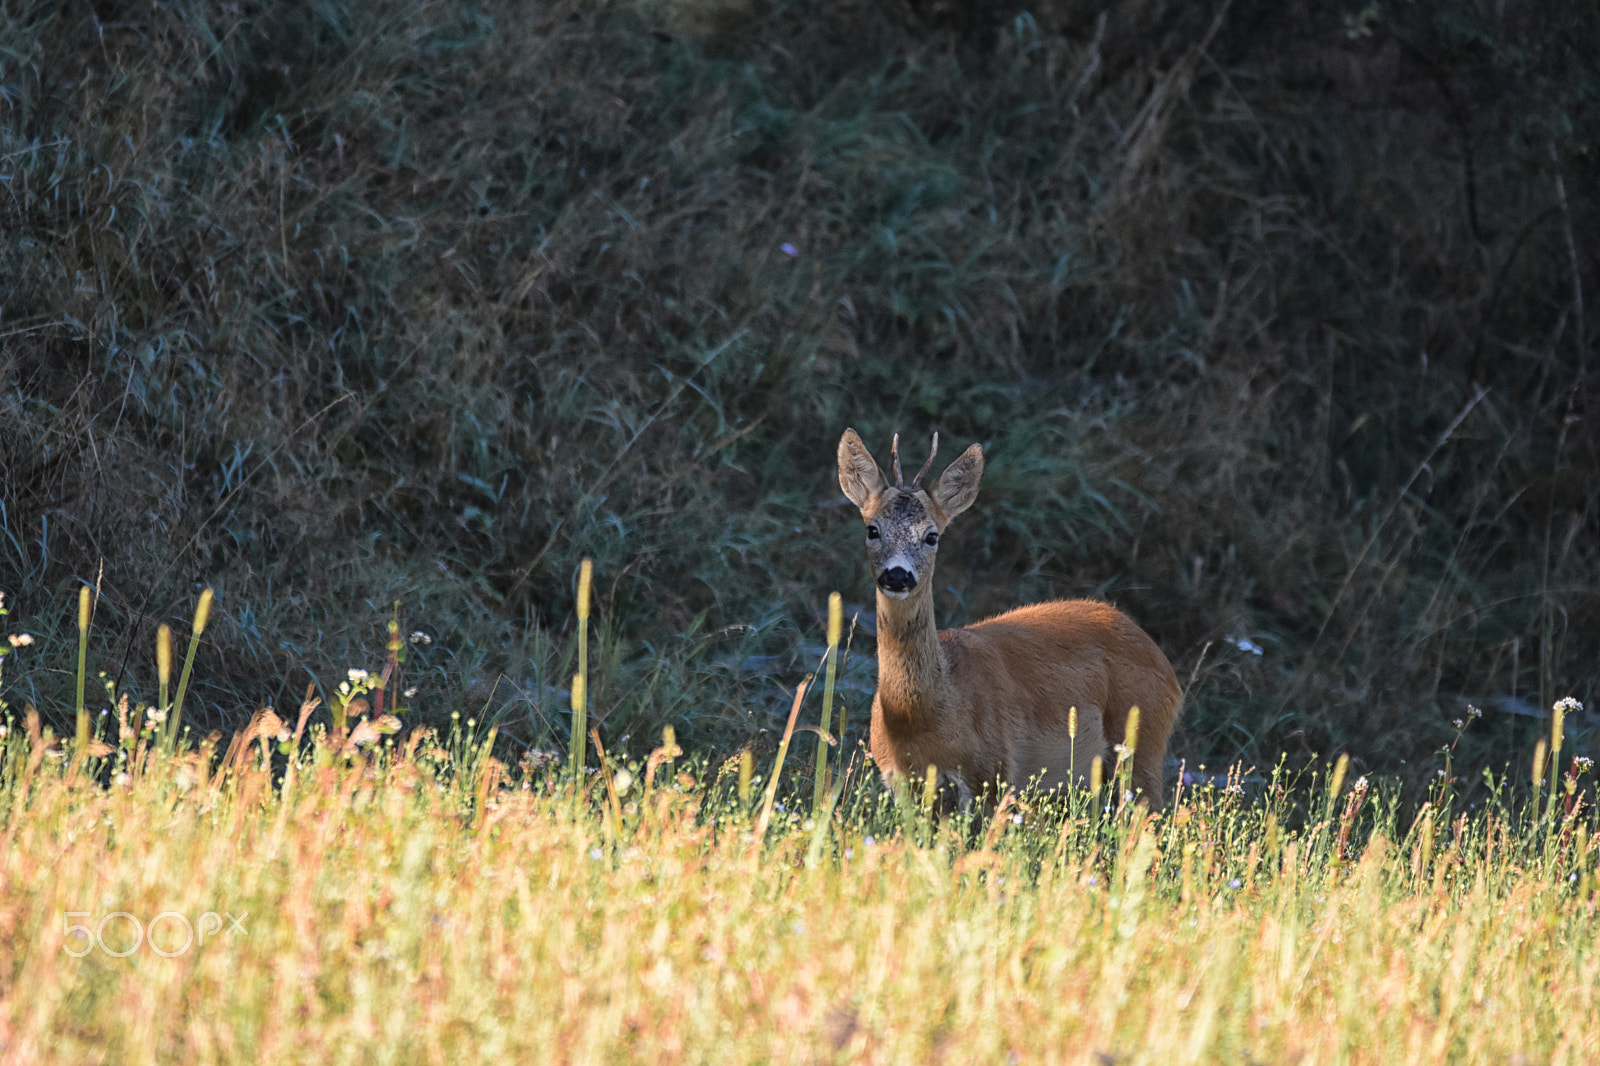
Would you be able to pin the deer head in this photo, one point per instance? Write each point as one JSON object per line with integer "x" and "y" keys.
{"x": 904, "y": 522}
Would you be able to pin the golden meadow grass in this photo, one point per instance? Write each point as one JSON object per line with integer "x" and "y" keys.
{"x": 422, "y": 901}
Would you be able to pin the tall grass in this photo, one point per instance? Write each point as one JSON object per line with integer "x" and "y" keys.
{"x": 424, "y": 904}
{"x": 334, "y": 891}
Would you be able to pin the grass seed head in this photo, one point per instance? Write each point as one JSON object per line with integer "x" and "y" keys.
{"x": 202, "y": 611}
{"x": 585, "y": 577}
{"x": 1336, "y": 782}
{"x": 164, "y": 654}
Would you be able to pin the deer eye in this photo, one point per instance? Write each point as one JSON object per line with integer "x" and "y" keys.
{"x": 932, "y": 539}
{"x": 872, "y": 532}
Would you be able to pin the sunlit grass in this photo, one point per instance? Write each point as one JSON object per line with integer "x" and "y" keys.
{"x": 324, "y": 893}
{"x": 395, "y": 909}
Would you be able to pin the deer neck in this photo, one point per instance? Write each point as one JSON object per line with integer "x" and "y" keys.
{"x": 911, "y": 665}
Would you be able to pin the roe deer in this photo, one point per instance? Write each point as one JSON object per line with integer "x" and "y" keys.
{"x": 990, "y": 704}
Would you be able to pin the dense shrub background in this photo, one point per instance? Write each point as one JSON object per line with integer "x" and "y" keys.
{"x": 1277, "y": 319}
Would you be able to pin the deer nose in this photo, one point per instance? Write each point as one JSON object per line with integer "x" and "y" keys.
{"x": 897, "y": 579}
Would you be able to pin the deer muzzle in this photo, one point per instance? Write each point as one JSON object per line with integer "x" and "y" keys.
{"x": 897, "y": 579}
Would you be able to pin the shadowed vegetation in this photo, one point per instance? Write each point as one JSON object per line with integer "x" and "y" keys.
{"x": 1273, "y": 318}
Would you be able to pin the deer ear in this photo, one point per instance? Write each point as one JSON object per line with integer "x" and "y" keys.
{"x": 957, "y": 487}
{"x": 859, "y": 475}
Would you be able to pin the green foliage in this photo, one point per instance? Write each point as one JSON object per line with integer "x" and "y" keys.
{"x": 326, "y": 305}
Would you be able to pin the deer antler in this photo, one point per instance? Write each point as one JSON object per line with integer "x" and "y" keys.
{"x": 894, "y": 452}
{"x": 916, "y": 481}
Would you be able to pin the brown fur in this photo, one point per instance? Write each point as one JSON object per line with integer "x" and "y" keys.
{"x": 989, "y": 704}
